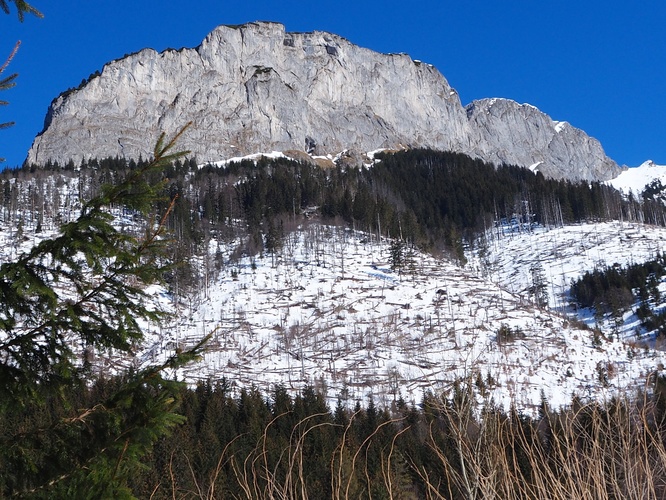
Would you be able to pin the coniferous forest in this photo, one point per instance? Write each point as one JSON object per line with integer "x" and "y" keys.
{"x": 613, "y": 290}
{"x": 254, "y": 445}
{"x": 440, "y": 201}
{"x": 274, "y": 445}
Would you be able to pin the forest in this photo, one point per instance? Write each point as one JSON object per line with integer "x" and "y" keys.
{"x": 278, "y": 446}
{"x": 245, "y": 444}
{"x": 440, "y": 201}
{"x": 613, "y": 290}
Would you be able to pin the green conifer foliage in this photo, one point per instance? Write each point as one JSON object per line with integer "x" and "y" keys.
{"x": 7, "y": 82}
{"x": 83, "y": 291}
{"x": 22, "y": 8}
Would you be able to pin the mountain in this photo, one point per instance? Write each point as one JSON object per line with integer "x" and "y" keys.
{"x": 635, "y": 180}
{"x": 522, "y": 135}
{"x": 255, "y": 87}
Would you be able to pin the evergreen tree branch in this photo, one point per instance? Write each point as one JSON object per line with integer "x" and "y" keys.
{"x": 86, "y": 285}
{"x": 22, "y": 8}
{"x": 6, "y": 63}
{"x": 7, "y": 83}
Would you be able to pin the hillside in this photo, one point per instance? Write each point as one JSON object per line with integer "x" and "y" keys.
{"x": 329, "y": 311}
{"x": 636, "y": 180}
{"x": 354, "y": 314}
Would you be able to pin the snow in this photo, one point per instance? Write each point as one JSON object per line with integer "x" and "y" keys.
{"x": 566, "y": 253}
{"x": 370, "y": 156}
{"x": 329, "y": 311}
{"x": 560, "y": 126}
{"x": 253, "y": 157}
{"x": 535, "y": 167}
{"x": 634, "y": 180}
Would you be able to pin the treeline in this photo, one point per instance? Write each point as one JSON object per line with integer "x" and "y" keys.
{"x": 436, "y": 200}
{"x": 278, "y": 446}
{"x": 615, "y": 289}
{"x": 433, "y": 198}
{"x": 252, "y": 445}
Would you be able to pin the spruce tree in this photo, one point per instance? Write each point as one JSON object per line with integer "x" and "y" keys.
{"x": 397, "y": 254}
{"x": 7, "y": 82}
{"x": 539, "y": 288}
{"x": 83, "y": 292}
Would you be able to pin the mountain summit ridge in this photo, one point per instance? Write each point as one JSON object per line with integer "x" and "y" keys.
{"x": 257, "y": 87}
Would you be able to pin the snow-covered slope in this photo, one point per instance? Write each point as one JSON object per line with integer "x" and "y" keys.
{"x": 329, "y": 311}
{"x": 634, "y": 180}
{"x": 566, "y": 253}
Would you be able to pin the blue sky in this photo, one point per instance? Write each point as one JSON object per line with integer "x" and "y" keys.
{"x": 599, "y": 65}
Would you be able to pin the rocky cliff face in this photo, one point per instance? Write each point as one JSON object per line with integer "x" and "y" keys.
{"x": 520, "y": 134}
{"x": 257, "y": 88}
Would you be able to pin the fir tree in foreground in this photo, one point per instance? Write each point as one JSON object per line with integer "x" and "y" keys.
{"x": 83, "y": 291}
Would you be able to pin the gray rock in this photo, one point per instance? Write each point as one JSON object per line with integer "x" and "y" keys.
{"x": 257, "y": 88}
{"x": 520, "y": 134}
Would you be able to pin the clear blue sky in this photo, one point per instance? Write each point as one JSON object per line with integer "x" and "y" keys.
{"x": 599, "y": 65}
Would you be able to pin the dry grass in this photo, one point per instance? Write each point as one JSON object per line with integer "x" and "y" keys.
{"x": 591, "y": 451}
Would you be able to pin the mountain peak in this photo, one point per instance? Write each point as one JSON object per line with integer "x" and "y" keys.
{"x": 256, "y": 87}
{"x": 635, "y": 180}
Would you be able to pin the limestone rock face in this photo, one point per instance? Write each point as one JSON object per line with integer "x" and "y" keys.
{"x": 256, "y": 88}
{"x": 520, "y": 134}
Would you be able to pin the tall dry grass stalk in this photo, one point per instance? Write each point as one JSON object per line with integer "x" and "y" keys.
{"x": 614, "y": 450}
{"x": 591, "y": 451}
